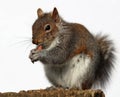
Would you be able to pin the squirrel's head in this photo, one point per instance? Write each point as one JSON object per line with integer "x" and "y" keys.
{"x": 45, "y": 28}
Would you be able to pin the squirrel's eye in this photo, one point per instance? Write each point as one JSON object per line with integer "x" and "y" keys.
{"x": 47, "y": 27}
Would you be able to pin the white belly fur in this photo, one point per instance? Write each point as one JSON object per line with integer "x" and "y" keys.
{"x": 77, "y": 71}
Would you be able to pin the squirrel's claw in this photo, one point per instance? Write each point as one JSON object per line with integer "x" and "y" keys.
{"x": 32, "y": 62}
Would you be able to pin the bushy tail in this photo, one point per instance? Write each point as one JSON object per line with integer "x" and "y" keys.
{"x": 105, "y": 65}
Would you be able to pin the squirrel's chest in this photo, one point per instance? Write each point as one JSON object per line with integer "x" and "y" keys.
{"x": 74, "y": 72}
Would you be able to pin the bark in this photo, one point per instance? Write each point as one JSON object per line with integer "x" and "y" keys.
{"x": 58, "y": 92}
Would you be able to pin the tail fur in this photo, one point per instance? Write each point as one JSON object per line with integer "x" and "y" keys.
{"x": 105, "y": 65}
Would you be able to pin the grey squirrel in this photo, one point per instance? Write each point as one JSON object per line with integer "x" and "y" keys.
{"x": 72, "y": 56}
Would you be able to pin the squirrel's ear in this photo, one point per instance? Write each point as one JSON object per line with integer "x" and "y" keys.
{"x": 55, "y": 15}
{"x": 39, "y": 12}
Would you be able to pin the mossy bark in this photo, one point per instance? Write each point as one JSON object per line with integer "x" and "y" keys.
{"x": 58, "y": 92}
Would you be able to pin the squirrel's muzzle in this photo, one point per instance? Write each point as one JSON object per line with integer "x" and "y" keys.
{"x": 35, "y": 41}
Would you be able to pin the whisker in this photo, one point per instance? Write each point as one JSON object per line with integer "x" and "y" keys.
{"x": 21, "y": 42}
{"x": 28, "y": 46}
{"x": 23, "y": 37}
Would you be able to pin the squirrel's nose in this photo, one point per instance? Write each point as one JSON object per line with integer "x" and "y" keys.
{"x": 35, "y": 41}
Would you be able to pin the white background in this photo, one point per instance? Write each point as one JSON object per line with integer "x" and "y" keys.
{"x": 16, "y": 18}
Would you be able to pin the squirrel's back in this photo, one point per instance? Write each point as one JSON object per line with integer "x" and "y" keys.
{"x": 104, "y": 48}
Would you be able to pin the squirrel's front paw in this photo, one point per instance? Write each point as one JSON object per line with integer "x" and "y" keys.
{"x": 34, "y": 55}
